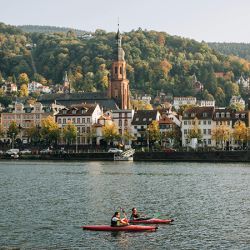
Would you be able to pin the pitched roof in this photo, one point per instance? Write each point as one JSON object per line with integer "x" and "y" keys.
{"x": 78, "y": 110}
{"x": 199, "y": 113}
{"x": 144, "y": 117}
{"x": 80, "y": 98}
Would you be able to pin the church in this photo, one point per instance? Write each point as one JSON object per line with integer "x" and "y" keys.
{"x": 118, "y": 93}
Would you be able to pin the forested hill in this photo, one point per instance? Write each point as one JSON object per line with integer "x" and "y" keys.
{"x": 237, "y": 49}
{"x": 155, "y": 61}
{"x": 50, "y": 29}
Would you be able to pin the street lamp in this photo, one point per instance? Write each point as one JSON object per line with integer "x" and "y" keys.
{"x": 76, "y": 141}
{"x": 13, "y": 134}
{"x": 148, "y": 138}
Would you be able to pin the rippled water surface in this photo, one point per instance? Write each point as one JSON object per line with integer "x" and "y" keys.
{"x": 43, "y": 204}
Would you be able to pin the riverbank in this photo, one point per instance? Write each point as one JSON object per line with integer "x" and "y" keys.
{"x": 215, "y": 156}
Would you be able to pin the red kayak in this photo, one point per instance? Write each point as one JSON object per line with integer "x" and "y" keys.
{"x": 151, "y": 221}
{"x": 134, "y": 228}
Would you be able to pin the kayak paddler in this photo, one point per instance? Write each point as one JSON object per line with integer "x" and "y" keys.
{"x": 116, "y": 220}
{"x": 134, "y": 215}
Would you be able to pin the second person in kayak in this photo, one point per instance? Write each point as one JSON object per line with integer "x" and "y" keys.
{"x": 134, "y": 215}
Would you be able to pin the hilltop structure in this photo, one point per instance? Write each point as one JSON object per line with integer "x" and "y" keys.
{"x": 117, "y": 96}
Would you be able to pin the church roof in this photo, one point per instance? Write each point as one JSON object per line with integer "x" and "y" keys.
{"x": 79, "y": 98}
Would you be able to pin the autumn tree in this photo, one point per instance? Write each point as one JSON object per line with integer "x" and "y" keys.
{"x": 13, "y": 131}
{"x": 221, "y": 134}
{"x": 23, "y": 79}
{"x": 154, "y": 131}
{"x": 195, "y": 131}
{"x": 110, "y": 133}
{"x": 2, "y": 131}
{"x": 50, "y": 131}
{"x": 24, "y": 92}
{"x": 240, "y": 131}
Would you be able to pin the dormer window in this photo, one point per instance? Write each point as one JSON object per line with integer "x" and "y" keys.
{"x": 222, "y": 115}
{"x": 64, "y": 111}
{"x": 204, "y": 114}
{"x": 74, "y": 111}
{"x": 192, "y": 114}
{"x": 217, "y": 115}
{"x": 228, "y": 115}
{"x": 243, "y": 115}
{"x": 137, "y": 119}
{"x": 236, "y": 115}
{"x": 144, "y": 119}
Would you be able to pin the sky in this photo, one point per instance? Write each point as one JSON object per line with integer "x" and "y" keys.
{"x": 207, "y": 20}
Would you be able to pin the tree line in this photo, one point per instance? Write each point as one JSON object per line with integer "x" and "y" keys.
{"x": 155, "y": 61}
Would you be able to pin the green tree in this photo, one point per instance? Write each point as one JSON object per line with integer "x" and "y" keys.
{"x": 34, "y": 134}
{"x": 69, "y": 133}
{"x": 195, "y": 131}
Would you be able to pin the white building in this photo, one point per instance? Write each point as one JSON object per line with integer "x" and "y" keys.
{"x": 204, "y": 103}
{"x": 179, "y": 101}
{"x": 237, "y": 100}
{"x": 83, "y": 117}
{"x": 123, "y": 118}
{"x": 201, "y": 118}
{"x": 140, "y": 123}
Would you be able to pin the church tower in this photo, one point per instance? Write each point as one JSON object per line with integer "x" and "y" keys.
{"x": 119, "y": 85}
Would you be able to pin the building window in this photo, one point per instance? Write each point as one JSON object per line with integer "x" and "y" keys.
{"x": 209, "y": 122}
{"x": 83, "y": 120}
{"x": 73, "y": 120}
{"x": 116, "y": 70}
{"x": 185, "y": 131}
{"x": 204, "y": 114}
{"x": 88, "y": 120}
{"x": 217, "y": 115}
{"x": 83, "y": 130}
{"x": 204, "y": 131}
{"x": 135, "y": 127}
{"x": 192, "y": 114}
{"x": 204, "y": 122}
{"x": 185, "y": 122}
{"x": 120, "y": 123}
{"x": 209, "y": 131}
{"x": 64, "y": 120}
{"x": 78, "y": 120}
{"x": 88, "y": 129}
{"x": 120, "y": 70}
{"x": 228, "y": 115}
{"x": 222, "y": 115}
{"x": 59, "y": 120}
{"x": 242, "y": 115}
{"x": 209, "y": 141}
{"x": 126, "y": 122}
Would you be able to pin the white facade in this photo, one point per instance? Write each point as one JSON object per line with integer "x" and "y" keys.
{"x": 123, "y": 118}
{"x": 204, "y": 103}
{"x": 83, "y": 118}
{"x": 237, "y": 99}
{"x": 179, "y": 101}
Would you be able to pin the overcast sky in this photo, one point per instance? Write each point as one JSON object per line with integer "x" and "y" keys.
{"x": 208, "y": 20}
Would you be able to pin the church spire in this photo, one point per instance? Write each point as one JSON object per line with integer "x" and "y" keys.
{"x": 120, "y": 51}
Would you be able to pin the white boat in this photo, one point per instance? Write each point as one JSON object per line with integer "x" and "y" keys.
{"x": 125, "y": 156}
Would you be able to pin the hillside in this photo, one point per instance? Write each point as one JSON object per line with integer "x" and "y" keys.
{"x": 237, "y": 49}
{"x": 50, "y": 29}
{"x": 155, "y": 61}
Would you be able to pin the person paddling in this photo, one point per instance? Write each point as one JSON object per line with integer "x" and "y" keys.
{"x": 116, "y": 220}
{"x": 134, "y": 215}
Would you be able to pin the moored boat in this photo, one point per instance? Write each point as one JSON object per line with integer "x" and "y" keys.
{"x": 131, "y": 228}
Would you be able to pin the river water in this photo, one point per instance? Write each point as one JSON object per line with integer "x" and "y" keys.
{"x": 43, "y": 204}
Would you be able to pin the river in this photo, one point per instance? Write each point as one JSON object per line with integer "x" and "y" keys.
{"x": 43, "y": 204}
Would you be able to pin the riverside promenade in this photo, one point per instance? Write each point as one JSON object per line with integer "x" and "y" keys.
{"x": 210, "y": 156}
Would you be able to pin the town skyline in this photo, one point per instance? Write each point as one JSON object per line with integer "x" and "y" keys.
{"x": 193, "y": 19}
